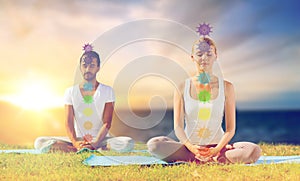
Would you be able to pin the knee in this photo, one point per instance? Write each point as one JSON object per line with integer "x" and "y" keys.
{"x": 39, "y": 142}
{"x": 256, "y": 153}
{"x": 121, "y": 144}
{"x": 154, "y": 144}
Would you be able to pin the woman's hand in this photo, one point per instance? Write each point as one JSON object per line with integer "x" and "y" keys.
{"x": 206, "y": 154}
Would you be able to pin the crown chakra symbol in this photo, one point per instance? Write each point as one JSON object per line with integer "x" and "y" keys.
{"x": 204, "y": 29}
{"x": 87, "y": 47}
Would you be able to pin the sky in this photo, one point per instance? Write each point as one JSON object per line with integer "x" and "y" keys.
{"x": 145, "y": 48}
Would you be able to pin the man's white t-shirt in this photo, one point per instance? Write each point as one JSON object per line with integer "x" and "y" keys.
{"x": 88, "y": 114}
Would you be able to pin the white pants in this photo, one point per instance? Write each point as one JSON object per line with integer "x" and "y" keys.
{"x": 120, "y": 144}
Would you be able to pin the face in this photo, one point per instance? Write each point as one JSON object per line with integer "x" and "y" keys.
{"x": 204, "y": 60}
{"x": 89, "y": 69}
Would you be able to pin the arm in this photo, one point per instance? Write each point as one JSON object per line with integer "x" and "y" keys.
{"x": 179, "y": 122}
{"x": 107, "y": 119}
{"x": 230, "y": 119}
{"x": 69, "y": 113}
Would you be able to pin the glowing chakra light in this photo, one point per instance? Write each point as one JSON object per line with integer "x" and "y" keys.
{"x": 88, "y": 86}
{"x": 88, "y": 138}
{"x": 88, "y": 99}
{"x": 204, "y": 133}
{"x": 87, "y": 59}
{"x": 88, "y": 111}
{"x": 204, "y": 114}
{"x": 87, "y": 47}
{"x": 204, "y": 78}
{"x": 203, "y": 46}
{"x": 204, "y": 29}
{"x": 88, "y": 125}
{"x": 204, "y": 96}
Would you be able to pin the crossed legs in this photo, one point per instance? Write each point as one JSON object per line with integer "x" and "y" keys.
{"x": 169, "y": 150}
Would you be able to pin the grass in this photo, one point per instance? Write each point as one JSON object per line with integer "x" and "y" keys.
{"x": 68, "y": 166}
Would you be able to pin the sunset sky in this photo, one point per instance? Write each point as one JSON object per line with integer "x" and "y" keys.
{"x": 258, "y": 44}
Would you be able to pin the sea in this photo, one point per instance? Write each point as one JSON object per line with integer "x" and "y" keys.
{"x": 268, "y": 126}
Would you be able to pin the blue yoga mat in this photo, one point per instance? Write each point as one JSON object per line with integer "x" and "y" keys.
{"x": 30, "y": 151}
{"x": 94, "y": 160}
{"x": 277, "y": 159}
{"x": 34, "y": 151}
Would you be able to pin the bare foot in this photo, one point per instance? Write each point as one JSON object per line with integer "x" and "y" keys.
{"x": 63, "y": 147}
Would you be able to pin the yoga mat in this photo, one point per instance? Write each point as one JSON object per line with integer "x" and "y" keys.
{"x": 30, "y": 151}
{"x": 94, "y": 160}
{"x": 34, "y": 151}
{"x": 277, "y": 159}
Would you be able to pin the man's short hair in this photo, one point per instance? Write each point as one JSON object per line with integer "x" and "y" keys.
{"x": 90, "y": 55}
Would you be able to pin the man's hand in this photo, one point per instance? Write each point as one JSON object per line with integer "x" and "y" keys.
{"x": 83, "y": 144}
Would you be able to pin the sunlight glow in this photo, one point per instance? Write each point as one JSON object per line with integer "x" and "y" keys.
{"x": 35, "y": 96}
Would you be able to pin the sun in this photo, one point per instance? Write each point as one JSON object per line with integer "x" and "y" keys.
{"x": 35, "y": 95}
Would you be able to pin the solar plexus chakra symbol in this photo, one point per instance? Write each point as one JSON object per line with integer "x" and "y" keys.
{"x": 88, "y": 111}
{"x": 204, "y": 113}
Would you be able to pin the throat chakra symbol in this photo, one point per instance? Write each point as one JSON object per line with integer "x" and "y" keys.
{"x": 204, "y": 29}
{"x": 88, "y": 99}
{"x": 204, "y": 78}
{"x": 88, "y": 86}
{"x": 204, "y": 96}
{"x": 203, "y": 46}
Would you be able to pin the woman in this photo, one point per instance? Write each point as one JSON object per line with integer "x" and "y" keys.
{"x": 203, "y": 139}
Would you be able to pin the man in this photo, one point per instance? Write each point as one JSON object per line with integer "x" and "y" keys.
{"x": 89, "y": 108}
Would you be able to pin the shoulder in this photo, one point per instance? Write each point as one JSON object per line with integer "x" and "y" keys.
{"x": 179, "y": 89}
{"x": 229, "y": 88}
{"x": 228, "y": 84}
{"x": 105, "y": 88}
{"x": 71, "y": 89}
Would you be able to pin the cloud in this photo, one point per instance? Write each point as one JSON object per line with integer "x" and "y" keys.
{"x": 46, "y": 36}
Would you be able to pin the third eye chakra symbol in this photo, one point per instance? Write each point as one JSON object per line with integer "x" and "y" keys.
{"x": 203, "y": 46}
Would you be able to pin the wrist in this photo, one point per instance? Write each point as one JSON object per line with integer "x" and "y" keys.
{"x": 188, "y": 145}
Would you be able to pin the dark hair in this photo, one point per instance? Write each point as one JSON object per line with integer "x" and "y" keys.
{"x": 90, "y": 55}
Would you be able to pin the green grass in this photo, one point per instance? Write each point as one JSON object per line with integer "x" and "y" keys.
{"x": 62, "y": 166}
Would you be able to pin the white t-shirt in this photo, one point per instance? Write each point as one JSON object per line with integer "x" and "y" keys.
{"x": 88, "y": 112}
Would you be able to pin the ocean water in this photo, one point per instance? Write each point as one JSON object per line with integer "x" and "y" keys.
{"x": 270, "y": 126}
